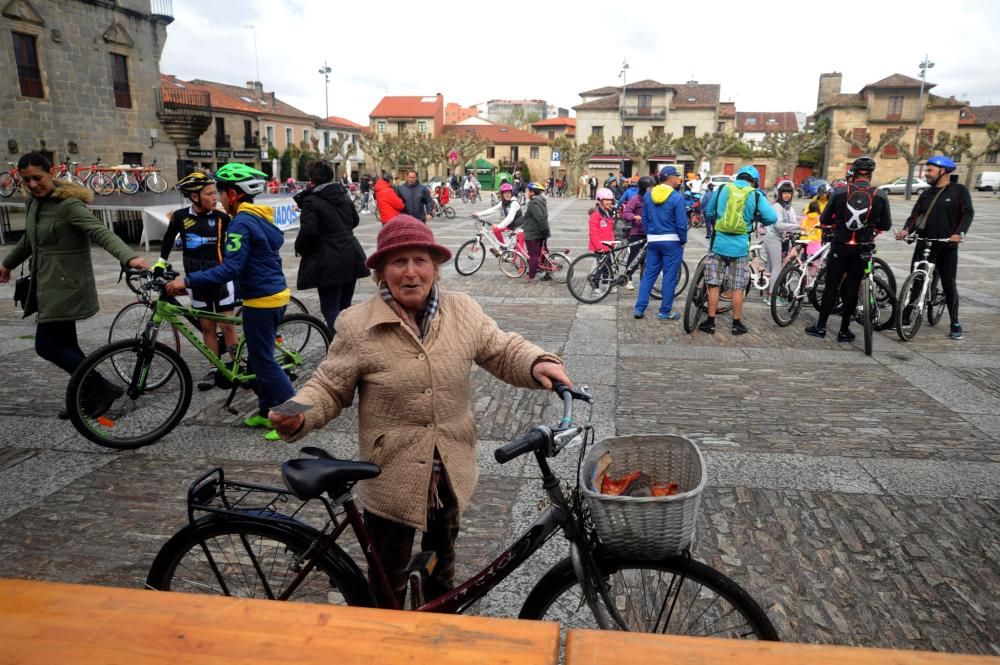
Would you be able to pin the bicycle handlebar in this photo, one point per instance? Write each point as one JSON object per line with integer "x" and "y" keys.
{"x": 913, "y": 237}
{"x": 542, "y": 436}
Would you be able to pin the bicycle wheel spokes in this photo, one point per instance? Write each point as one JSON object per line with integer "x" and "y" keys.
{"x": 469, "y": 257}
{"x": 301, "y": 345}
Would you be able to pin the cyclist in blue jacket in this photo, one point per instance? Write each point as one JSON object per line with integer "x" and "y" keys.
{"x": 253, "y": 261}
{"x": 665, "y": 218}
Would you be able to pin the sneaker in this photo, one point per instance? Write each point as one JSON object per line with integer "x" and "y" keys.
{"x": 739, "y": 328}
{"x": 816, "y": 331}
{"x": 707, "y": 327}
{"x": 845, "y": 336}
{"x": 671, "y": 316}
{"x": 546, "y": 277}
{"x": 639, "y": 315}
{"x": 595, "y": 293}
{"x": 766, "y": 300}
{"x": 630, "y": 286}
{"x": 208, "y": 381}
{"x": 99, "y": 403}
{"x": 272, "y": 435}
{"x": 956, "y": 332}
{"x": 257, "y": 420}
{"x": 783, "y": 302}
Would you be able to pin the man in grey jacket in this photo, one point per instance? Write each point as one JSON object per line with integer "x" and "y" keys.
{"x": 416, "y": 198}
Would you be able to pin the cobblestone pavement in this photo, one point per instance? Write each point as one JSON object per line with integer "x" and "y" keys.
{"x": 858, "y": 498}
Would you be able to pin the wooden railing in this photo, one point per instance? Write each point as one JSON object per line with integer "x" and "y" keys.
{"x": 46, "y": 622}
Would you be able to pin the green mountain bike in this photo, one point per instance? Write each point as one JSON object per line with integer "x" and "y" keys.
{"x": 133, "y": 392}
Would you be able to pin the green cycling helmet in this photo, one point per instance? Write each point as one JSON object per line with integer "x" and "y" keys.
{"x": 247, "y": 178}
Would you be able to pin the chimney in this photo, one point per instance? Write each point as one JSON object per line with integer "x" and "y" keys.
{"x": 250, "y": 86}
{"x": 829, "y": 85}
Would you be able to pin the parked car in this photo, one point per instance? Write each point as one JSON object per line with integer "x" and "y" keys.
{"x": 718, "y": 180}
{"x": 988, "y": 181}
{"x": 807, "y": 188}
{"x": 898, "y": 186}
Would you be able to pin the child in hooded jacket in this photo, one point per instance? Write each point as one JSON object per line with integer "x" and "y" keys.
{"x": 602, "y": 229}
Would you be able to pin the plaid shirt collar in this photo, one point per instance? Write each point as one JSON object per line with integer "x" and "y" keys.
{"x": 422, "y": 327}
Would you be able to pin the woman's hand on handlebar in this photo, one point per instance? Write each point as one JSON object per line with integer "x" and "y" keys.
{"x": 138, "y": 262}
{"x": 175, "y": 287}
{"x": 547, "y": 373}
{"x": 901, "y": 234}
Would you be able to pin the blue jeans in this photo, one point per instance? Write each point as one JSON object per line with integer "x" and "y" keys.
{"x": 662, "y": 257}
{"x": 333, "y": 300}
{"x": 260, "y": 325}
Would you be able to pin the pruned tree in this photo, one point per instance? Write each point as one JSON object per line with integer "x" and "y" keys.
{"x": 865, "y": 145}
{"x": 641, "y": 149}
{"x": 911, "y": 156}
{"x": 786, "y": 147}
{"x": 709, "y": 146}
{"x": 576, "y": 155}
{"x": 992, "y": 145}
{"x": 375, "y": 146}
{"x": 430, "y": 151}
{"x": 341, "y": 148}
{"x": 466, "y": 144}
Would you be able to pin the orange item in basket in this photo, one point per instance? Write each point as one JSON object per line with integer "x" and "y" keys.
{"x": 666, "y": 489}
{"x": 616, "y": 487}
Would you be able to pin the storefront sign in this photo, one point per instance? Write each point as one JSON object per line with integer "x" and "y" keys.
{"x": 191, "y": 152}
{"x": 223, "y": 154}
{"x": 245, "y": 154}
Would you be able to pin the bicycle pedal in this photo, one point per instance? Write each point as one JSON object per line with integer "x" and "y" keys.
{"x": 422, "y": 563}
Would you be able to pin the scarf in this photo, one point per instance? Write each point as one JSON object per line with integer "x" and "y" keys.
{"x": 422, "y": 324}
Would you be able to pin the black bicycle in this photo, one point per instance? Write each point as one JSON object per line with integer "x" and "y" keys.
{"x": 592, "y": 276}
{"x": 252, "y": 540}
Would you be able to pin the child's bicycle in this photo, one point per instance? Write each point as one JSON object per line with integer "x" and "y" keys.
{"x": 133, "y": 392}
{"x": 592, "y": 276}
{"x": 514, "y": 263}
{"x": 250, "y": 540}
{"x": 470, "y": 256}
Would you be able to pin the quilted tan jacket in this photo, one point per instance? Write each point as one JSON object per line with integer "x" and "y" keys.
{"x": 414, "y": 397}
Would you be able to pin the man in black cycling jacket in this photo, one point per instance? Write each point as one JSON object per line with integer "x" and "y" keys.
{"x": 943, "y": 211}
{"x": 854, "y": 214}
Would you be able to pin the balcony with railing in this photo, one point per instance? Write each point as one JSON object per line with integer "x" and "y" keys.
{"x": 883, "y": 116}
{"x": 251, "y": 142}
{"x": 163, "y": 8}
{"x": 644, "y": 112}
{"x": 223, "y": 141}
{"x": 185, "y": 114}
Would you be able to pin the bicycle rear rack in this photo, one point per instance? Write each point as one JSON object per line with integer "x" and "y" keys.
{"x": 212, "y": 493}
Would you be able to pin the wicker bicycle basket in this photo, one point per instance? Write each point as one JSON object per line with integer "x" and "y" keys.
{"x": 647, "y": 527}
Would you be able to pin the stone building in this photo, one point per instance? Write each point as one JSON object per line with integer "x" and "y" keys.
{"x": 557, "y": 126}
{"x": 402, "y": 114}
{"x": 510, "y": 147}
{"x": 81, "y": 79}
{"x": 505, "y": 110}
{"x": 891, "y": 103}
{"x": 973, "y": 122}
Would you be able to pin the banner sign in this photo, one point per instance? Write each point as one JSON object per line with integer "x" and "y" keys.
{"x": 156, "y": 218}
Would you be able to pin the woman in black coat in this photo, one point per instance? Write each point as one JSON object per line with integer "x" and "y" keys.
{"x": 332, "y": 259}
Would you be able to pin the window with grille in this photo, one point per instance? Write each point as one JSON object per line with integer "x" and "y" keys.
{"x": 29, "y": 75}
{"x": 658, "y": 130}
{"x": 627, "y": 131}
{"x": 491, "y": 152}
{"x": 690, "y": 130}
{"x": 533, "y": 153}
{"x": 597, "y": 130}
{"x": 380, "y": 126}
{"x": 422, "y": 126}
{"x": 119, "y": 78}
{"x": 890, "y": 151}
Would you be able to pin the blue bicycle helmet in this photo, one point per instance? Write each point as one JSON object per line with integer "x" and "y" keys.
{"x": 750, "y": 172}
{"x": 942, "y": 162}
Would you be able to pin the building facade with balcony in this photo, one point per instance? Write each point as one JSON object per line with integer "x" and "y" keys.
{"x": 553, "y": 127}
{"x": 510, "y": 147}
{"x": 408, "y": 114}
{"x": 80, "y": 79}
{"x": 889, "y": 104}
{"x": 643, "y": 108}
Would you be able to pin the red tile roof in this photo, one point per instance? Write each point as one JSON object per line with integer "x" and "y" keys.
{"x": 342, "y": 123}
{"x": 767, "y": 122}
{"x": 500, "y": 134}
{"x": 695, "y": 95}
{"x": 727, "y": 109}
{"x": 980, "y": 115}
{"x": 408, "y": 107}
{"x": 234, "y": 97}
{"x": 555, "y": 122}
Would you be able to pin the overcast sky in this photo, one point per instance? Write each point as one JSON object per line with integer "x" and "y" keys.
{"x": 473, "y": 51}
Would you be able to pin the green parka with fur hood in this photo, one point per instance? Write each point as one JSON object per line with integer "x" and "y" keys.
{"x": 58, "y": 233}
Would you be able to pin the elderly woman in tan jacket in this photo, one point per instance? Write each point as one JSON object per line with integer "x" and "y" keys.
{"x": 408, "y": 352}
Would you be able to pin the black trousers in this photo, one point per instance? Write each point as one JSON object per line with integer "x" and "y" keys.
{"x": 945, "y": 258}
{"x": 844, "y": 271}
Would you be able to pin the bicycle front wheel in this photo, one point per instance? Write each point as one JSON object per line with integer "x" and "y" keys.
{"x": 882, "y": 269}
{"x": 512, "y": 264}
{"x": 910, "y": 311}
{"x": 123, "y": 414}
{"x": 155, "y": 183}
{"x": 130, "y": 323}
{"x": 585, "y": 281}
{"x": 101, "y": 184}
{"x": 250, "y": 559}
{"x": 469, "y": 257}
{"x": 697, "y": 299}
{"x": 295, "y": 306}
{"x": 675, "y": 596}
{"x": 867, "y": 311}
{"x": 7, "y": 185}
{"x": 785, "y": 300}
{"x": 560, "y": 267}
{"x": 128, "y": 183}
{"x": 682, "y": 279}
{"x": 936, "y": 303}
{"x": 449, "y": 212}
{"x": 301, "y": 344}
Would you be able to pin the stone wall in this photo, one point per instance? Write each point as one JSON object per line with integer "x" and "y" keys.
{"x": 75, "y": 40}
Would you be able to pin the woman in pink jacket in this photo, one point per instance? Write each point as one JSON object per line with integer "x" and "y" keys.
{"x": 602, "y": 229}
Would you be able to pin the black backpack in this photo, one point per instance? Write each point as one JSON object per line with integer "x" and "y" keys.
{"x": 859, "y": 203}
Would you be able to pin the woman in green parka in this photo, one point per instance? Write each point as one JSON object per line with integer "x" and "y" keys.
{"x": 58, "y": 233}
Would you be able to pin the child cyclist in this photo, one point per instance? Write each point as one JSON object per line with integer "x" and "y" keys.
{"x": 253, "y": 260}
{"x": 602, "y": 228}
{"x": 509, "y": 211}
{"x": 202, "y": 230}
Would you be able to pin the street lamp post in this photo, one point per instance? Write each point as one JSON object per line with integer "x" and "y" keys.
{"x": 621, "y": 136}
{"x": 325, "y": 71}
{"x": 924, "y": 66}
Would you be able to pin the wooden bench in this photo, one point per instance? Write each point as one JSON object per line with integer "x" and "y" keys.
{"x": 45, "y": 622}
{"x": 594, "y": 647}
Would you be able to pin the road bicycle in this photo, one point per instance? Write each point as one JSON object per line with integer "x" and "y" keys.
{"x": 470, "y": 256}
{"x": 593, "y": 275}
{"x": 10, "y": 181}
{"x": 251, "y": 540}
{"x": 150, "y": 178}
{"x": 921, "y": 290}
{"x": 65, "y": 173}
{"x": 132, "y": 319}
{"x": 106, "y": 181}
{"x": 150, "y": 383}
{"x": 514, "y": 263}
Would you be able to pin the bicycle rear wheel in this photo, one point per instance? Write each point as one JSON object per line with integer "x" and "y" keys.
{"x": 697, "y": 299}
{"x": 101, "y": 184}
{"x": 128, "y": 183}
{"x": 301, "y": 344}
{"x": 560, "y": 267}
{"x": 512, "y": 264}
{"x": 583, "y": 281}
{"x": 910, "y": 312}
{"x": 470, "y": 256}
{"x": 144, "y": 410}
{"x": 155, "y": 183}
{"x": 449, "y": 212}
{"x": 7, "y": 185}
{"x": 295, "y": 306}
{"x": 130, "y": 323}
{"x": 676, "y": 596}
{"x": 252, "y": 559}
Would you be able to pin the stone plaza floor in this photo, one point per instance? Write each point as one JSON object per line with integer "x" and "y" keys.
{"x": 857, "y": 498}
